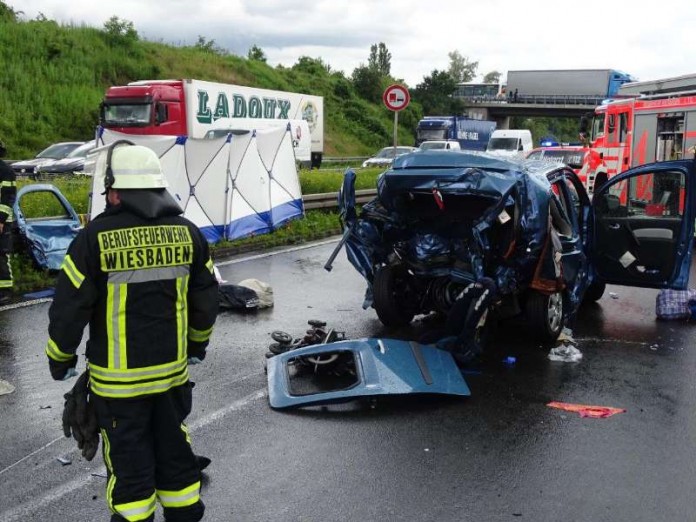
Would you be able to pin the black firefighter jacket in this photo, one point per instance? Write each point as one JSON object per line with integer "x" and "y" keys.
{"x": 141, "y": 276}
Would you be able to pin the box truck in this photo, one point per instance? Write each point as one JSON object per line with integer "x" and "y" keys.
{"x": 564, "y": 85}
{"x": 471, "y": 134}
{"x": 191, "y": 107}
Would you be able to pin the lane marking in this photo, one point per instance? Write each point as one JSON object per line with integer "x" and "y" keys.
{"x": 19, "y": 513}
{"x": 31, "y": 454}
{"x": 277, "y": 252}
{"x": 264, "y": 255}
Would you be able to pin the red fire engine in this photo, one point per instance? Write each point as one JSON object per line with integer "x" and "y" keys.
{"x": 630, "y": 132}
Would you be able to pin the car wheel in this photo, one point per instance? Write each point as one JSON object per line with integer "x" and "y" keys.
{"x": 545, "y": 315}
{"x": 594, "y": 292}
{"x": 390, "y": 297}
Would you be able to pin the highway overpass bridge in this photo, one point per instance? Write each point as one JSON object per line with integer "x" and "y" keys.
{"x": 501, "y": 111}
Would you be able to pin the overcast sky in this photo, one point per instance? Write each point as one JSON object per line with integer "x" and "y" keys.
{"x": 501, "y": 35}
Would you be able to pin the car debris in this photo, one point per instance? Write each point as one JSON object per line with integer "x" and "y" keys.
{"x": 593, "y": 412}
{"x": 323, "y": 367}
{"x": 46, "y": 237}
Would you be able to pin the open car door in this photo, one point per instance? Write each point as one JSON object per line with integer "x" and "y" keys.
{"x": 643, "y": 226}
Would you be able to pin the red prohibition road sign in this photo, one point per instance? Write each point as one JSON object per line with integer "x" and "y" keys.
{"x": 396, "y": 97}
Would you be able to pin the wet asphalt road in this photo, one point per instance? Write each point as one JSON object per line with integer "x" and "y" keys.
{"x": 500, "y": 454}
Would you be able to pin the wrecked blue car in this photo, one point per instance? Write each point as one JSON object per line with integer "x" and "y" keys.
{"x": 478, "y": 238}
{"x": 46, "y": 224}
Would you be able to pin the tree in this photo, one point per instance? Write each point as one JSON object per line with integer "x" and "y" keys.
{"x": 492, "y": 77}
{"x": 367, "y": 82}
{"x": 7, "y": 14}
{"x": 461, "y": 69}
{"x": 257, "y": 54}
{"x": 435, "y": 94}
{"x": 209, "y": 46}
{"x": 380, "y": 59}
{"x": 120, "y": 30}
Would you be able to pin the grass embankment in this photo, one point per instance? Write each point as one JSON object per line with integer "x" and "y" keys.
{"x": 316, "y": 224}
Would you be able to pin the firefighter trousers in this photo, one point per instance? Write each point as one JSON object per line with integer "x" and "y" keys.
{"x": 5, "y": 251}
{"x": 148, "y": 456}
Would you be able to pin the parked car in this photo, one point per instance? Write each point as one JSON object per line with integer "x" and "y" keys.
{"x": 386, "y": 155}
{"x": 73, "y": 162}
{"x": 443, "y": 222}
{"x": 54, "y": 152}
{"x": 440, "y": 145}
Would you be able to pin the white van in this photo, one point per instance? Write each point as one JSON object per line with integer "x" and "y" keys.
{"x": 512, "y": 143}
{"x": 299, "y": 129}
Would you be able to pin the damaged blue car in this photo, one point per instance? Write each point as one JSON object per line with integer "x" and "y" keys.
{"x": 478, "y": 238}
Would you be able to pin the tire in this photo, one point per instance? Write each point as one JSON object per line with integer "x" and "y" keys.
{"x": 390, "y": 300}
{"x": 281, "y": 337}
{"x": 545, "y": 315}
{"x": 594, "y": 292}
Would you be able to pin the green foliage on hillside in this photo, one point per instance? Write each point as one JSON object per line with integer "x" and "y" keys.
{"x": 54, "y": 77}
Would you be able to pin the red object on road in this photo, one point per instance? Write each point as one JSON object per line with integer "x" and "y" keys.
{"x": 594, "y": 412}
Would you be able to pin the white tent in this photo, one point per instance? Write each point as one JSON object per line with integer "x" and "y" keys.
{"x": 229, "y": 187}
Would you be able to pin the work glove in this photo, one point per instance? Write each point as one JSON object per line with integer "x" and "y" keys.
{"x": 80, "y": 417}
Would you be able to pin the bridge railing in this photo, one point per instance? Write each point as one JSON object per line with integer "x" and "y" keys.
{"x": 538, "y": 99}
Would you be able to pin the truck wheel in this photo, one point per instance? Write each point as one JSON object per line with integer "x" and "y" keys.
{"x": 594, "y": 292}
{"x": 545, "y": 315}
{"x": 390, "y": 297}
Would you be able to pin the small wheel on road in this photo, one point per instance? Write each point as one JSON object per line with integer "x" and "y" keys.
{"x": 281, "y": 337}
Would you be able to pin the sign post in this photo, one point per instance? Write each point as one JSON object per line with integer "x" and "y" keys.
{"x": 396, "y": 98}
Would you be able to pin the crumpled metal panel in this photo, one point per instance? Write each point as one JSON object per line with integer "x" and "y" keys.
{"x": 48, "y": 239}
{"x": 384, "y": 221}
{"x": 383, "y": 367}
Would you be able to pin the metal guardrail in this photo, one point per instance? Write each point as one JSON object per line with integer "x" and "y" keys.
{"x": 310, "y": 201}
{"x": 345, "y": 160}
{"x": 330, "y": 199}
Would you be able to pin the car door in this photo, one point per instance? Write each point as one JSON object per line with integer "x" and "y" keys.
{"x": 642, "y": 226}
{"x": 574, "y": 205}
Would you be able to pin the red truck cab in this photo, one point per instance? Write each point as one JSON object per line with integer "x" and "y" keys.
{"x": 145, "y": 108}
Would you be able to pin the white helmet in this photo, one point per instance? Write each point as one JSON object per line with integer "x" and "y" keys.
{"x": 131, "y": 166}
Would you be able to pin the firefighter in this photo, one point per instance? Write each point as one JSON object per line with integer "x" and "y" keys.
{"x": 8, "y": 193}
{"x": 141, "y": 276}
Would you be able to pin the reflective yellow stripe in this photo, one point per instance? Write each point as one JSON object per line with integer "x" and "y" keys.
{"x": 56, "y": 353}
{"x": 182, "y": 498}
{"x": 123, "y": 354}
{"x": 106, "y": 447}
{"x": 109, "y": 326}
{"x": 5, "y": 283}
{"x": 138, "y": 510}
{"x": 8, "y": 184}
{"x": 135, "y": 374}
{"x": 209, "y": 265}
{"x": 181, "y": 315}
{"x": 7, "y": 210}
{"x": 116, "y": 325}
{"x": 125, "y": 390}
{"x": 72, "y": 272}
{"x": 187, "y": 435}
{"x": 199, "y": 336}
